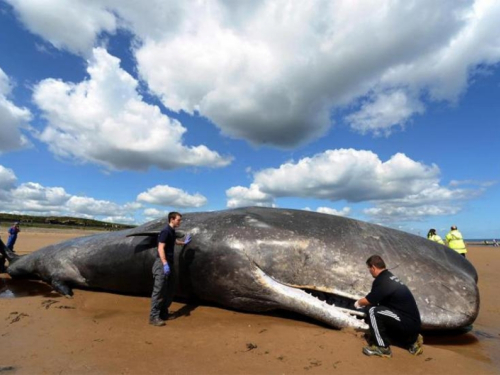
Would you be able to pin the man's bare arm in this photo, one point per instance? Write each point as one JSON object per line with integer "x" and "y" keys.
{"x": 161, "y": 252}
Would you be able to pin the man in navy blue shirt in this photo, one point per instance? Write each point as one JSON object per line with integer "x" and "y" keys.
{"x": 163, "y": 270}
{"x": 393, "y": 315}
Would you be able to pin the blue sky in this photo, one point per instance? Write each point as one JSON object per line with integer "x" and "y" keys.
{"x": 380, "y": 111}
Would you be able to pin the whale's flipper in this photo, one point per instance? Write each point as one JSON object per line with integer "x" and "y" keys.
{"x": 62, "y": 288}
{"x": 144, "y": 234}
{"x": 155, "y": 233}
{"x": 8, "y": 253}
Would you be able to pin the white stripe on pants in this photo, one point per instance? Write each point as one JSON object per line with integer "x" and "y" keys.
{"x": 373, "y": 321}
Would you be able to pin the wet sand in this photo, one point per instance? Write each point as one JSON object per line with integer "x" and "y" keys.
{"x": 101, "y": 333}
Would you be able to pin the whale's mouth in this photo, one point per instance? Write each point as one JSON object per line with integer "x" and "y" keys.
{"x": 343, "y": 303}
{"x": 325, "y": 307}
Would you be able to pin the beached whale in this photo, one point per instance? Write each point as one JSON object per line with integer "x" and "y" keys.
{"x": 260, "y": 259}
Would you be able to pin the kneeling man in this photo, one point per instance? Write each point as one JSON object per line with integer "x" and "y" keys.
{"x": 393, "y": 314}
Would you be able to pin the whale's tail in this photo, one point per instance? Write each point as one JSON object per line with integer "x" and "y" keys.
{"x": 7, "y": 253}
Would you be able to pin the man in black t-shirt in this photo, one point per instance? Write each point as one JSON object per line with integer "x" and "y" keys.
{"x": 393, "y": 316}
{"x": 163, "y": 270}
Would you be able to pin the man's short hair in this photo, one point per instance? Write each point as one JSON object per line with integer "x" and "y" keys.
{"x": 453, "y": 227}
{"x": 377, "y": 261}
{"x": 172, "y": 215}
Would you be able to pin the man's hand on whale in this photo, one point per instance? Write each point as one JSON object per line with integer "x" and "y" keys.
{"x": 185, "y": 241}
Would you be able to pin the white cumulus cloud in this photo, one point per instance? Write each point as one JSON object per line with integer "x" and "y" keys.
{"x": 165, "y": 195}
{"x": 433, "y": 200}
{"x": 153, "y": 214}
{"x": 391, "y": 213}
{"x": 399, "y": 188}
{"x": 12, "y": 118}
{"x": 240, "y": 196}
{"x": 91, "y": 206}
{"x": 35, "y": 197}
{"x": 271, "y": 72}
{"x": 331, "y": 211}
{"x": 69, "y": 24}
{"x": 272, "y": 76}
{"x": 348, "y": 174}
{"x": 8, "y": 178}
{"x": 105, "y": 121}
{"x": 32, "y": 198}
{"x": 120, "y": 219}
{"x": 384, "y": 112}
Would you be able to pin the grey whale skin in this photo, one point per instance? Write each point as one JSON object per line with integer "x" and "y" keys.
{"x": 259, "y": 259}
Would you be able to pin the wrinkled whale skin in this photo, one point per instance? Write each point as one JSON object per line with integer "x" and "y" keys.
{"x": 261, "y": 259}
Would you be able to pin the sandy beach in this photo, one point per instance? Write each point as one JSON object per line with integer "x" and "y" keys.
{"x": 42, "y": 332}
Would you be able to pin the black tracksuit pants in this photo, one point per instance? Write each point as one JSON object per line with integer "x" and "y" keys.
{"x": 389, "y": 327}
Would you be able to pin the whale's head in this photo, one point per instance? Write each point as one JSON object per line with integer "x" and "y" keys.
{"x": 314, "y": 264}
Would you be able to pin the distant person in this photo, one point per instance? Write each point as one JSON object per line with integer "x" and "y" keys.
{"x": 433, "y": 236}
{"x": 393, "y": 316}
{"x": 164, "y": 271}
{"x": 13, "y": 231}
{"x": 495, "y": 243}
{"x": 455, "y": 241}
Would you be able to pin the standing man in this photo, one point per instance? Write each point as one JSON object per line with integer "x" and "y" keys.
{"x": 13, "y": 231}
{"x": 393, "y": 316}
{"x": 164, "y": 271}
{"x": 455, "y": 241}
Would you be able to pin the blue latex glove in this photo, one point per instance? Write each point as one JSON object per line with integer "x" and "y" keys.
{"x": 187, "y": 239}
{"x": 166, "y": 269}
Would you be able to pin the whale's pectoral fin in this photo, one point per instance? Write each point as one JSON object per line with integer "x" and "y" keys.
{"x": 61, "y": 287}
{"x": 8, "y": 253}
{"x": 154, "y": 234}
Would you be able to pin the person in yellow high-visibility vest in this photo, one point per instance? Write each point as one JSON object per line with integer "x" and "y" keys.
{"x": 433, "y": 236}
{"x": 455, "y": 241}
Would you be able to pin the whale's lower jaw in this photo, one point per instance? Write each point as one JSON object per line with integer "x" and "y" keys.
{"x": 297, "y": 300}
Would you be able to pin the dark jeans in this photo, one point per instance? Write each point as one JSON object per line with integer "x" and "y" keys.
{"x": 388, "y": 327}
{"x": 163, "y": 290}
